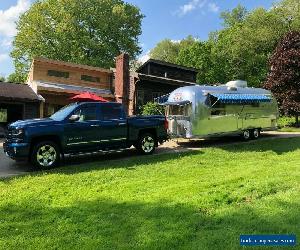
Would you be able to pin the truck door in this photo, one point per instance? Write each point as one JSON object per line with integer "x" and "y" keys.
{"x": 113, "y": 126}
{"x": 83, "y": 134}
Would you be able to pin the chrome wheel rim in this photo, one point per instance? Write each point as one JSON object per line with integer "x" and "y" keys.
{"x": 46, "y": 155}
{"x": 148, "y": 144}
{"x": 246, "y": 134}
{"x": 256, "y": 133}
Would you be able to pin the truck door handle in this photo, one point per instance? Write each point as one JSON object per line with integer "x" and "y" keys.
{"x": 95, "y": 125}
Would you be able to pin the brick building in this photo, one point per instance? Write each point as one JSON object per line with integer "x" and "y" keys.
{"x": 51, "y": 83}
{"x": 57, "y": 81}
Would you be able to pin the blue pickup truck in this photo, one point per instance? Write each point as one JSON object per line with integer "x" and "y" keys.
{"x": 79, "y": 128}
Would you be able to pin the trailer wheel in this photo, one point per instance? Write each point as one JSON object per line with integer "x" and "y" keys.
{"x": 255, "y": 133}
{"x": 246, "y": 135}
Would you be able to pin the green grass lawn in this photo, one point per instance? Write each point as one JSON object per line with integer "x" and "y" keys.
{"x": 198, "y": 200}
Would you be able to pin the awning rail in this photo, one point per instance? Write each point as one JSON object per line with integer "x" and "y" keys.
{"x": 241, "y": 98}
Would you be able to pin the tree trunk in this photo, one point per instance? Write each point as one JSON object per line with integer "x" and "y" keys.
{"x": 297, "y": 121}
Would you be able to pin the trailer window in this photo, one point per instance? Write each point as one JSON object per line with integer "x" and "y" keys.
{"x": 184, "y": 110}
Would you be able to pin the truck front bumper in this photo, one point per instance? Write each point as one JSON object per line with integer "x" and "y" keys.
{"x": 16, "y": 151}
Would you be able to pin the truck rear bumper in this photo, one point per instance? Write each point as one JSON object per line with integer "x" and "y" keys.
{"x": 16, "y": 150}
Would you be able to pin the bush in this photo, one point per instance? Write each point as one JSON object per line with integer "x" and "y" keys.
{"x": 153, "y": 108}
{"x": 285, "y": 121}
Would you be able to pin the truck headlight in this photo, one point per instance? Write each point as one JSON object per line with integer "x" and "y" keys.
{"x": 18, "y": 132}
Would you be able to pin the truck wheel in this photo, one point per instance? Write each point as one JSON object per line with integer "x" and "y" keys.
{"x": 45, "y": 155}
{"x": 146, "y": 144}
{"x": 255, "y": 133}
{"x": 246, "y": 135}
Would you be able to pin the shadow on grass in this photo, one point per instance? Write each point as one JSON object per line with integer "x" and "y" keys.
{"x": 106, "y": 224}
{"x": 279, "y": 146}
{"x": 127, "y": 160}
{"x": 235, "y": 144}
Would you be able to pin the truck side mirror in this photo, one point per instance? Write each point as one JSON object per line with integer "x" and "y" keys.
{"x": 74, "y": 118}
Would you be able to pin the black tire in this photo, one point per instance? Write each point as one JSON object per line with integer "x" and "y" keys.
{"x": 246, "y": 135}
{"x": 255, "y": 133}
{"x": 45, "y": 155}
{"x": 146, "y": 144}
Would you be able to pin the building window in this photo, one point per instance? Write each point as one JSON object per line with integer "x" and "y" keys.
{"x": 90, "y": 78}
{"x": 58, "y": 73}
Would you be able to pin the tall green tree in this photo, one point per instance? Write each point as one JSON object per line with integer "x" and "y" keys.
{"x": 245, "y": 45}
{"x": 168, "y": 50}
{"x": 89, "y": 32}
{"x": 241, "y": 50}
{"x": 17, "y": 78}
{"x": 235, "y": 16}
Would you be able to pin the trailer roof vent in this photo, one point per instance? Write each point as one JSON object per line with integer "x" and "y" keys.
{"x": 237, "y": 84}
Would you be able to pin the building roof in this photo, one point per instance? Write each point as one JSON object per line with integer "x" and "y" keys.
{"x": 17, "y": 92}
{"x": 159, "y": 79}
{"x": 73, "y": 65}
{"x": 163, "y": 63}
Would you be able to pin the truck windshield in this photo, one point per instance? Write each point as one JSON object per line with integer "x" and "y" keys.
{"x": 183, "y": 110}
{"x": 62, "y": 114}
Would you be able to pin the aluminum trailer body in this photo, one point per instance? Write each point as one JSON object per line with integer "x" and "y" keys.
{"x": 209, "y": 111}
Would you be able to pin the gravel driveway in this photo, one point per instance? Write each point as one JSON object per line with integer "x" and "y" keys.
{"x": 9, "y": 167}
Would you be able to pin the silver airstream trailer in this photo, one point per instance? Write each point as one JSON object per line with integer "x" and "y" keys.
{"x": 206, "y": 111}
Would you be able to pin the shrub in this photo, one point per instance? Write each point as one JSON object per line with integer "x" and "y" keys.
{"x": 285, "y": 121}
{"x": 153, "y": 108}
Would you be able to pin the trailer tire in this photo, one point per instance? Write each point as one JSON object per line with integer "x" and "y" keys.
{"x": 246, "y": 135}
{"x": 255, "y": 133}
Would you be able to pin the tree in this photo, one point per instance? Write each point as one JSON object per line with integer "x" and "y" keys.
{"x": 199, "y": 55}
{"x": 168, "y": 50}
{"x": 91, "y": 32}
{"x": 2, "y": 78}
{"x": 284, "y": 76}
{"x": 235, "y": 16}
{"x": 17, "y": 78}
{"x": 241, "y": 49}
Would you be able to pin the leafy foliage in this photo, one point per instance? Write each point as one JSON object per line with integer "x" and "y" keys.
{"x": 153, "y": 108}
{"x": 168, "y": 50}
{"x": 17, "y": 77}
{"x": 284, "y": 77}
{"x": 89, "y": 32}
{"x": 286, "y": 121}
{"x": 237, "y": 15}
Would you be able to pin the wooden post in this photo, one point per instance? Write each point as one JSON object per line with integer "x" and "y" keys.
{"x": 41, "y": 109}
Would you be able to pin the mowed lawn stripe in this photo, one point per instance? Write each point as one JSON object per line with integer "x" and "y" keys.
{"x": 195, "y": 200}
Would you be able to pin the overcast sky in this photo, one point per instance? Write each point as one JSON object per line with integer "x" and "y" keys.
{"x": 174, "y": 19}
